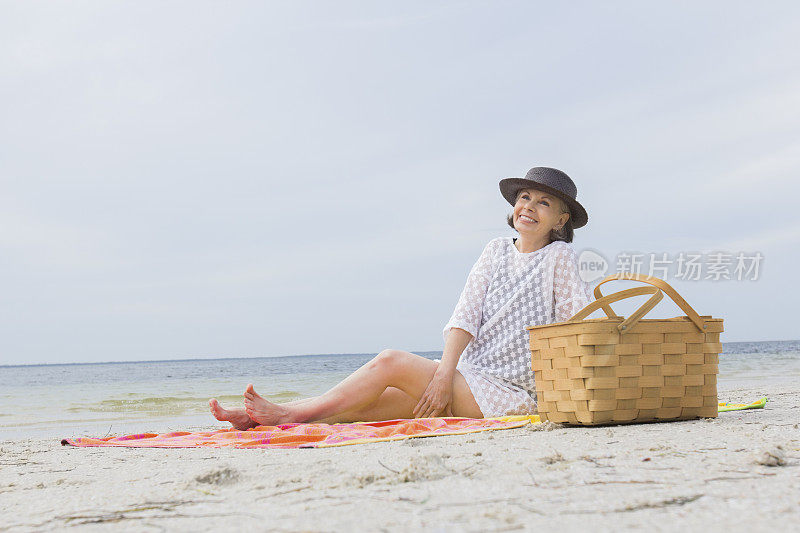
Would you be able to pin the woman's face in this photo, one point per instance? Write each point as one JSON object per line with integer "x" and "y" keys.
{"x": 537, "y": 212}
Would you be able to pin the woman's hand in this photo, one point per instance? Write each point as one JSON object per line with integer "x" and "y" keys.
{"x": 437, "y": 398}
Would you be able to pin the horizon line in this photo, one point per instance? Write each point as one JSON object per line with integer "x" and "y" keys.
{"x": 268, "y": 357}
{"x": 210, "y": 358}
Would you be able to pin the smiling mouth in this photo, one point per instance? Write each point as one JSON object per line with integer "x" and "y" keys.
{"x": 527, "y": 219}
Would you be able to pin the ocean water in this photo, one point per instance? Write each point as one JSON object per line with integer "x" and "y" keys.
{"x": 99, "y": 398}
{"x": 56, "y": 401}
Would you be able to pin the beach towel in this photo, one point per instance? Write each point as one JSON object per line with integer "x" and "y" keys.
{"x": 311, "y": 435}
{"x": 327, "y": 435}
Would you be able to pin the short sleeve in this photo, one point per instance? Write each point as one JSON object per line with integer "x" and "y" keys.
{"x": 469, "y": 309}
{"x": 570, "y": 292}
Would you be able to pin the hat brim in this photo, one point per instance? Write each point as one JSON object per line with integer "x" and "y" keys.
{"x": 510, "y": 186}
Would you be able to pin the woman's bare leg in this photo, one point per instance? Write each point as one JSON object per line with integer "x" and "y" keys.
{"x": 390, "y": 399}
{"x": 392, "y": 404}
{"x": 391, "y": 368}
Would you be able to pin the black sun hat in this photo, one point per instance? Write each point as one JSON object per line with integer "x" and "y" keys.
{"x": 549, "y": 180}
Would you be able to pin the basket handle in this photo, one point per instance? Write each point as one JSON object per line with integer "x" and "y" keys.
{"x": 621, "y": 295}
{"x": 664, "y": 286}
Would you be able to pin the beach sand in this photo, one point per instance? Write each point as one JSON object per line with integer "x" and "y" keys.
{"x": 710, "y": 475}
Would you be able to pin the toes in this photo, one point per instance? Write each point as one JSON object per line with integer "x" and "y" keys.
{"x": 252, "y": 392}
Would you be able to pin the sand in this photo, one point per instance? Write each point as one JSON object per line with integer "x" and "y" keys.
{"x": 740, "y": 471}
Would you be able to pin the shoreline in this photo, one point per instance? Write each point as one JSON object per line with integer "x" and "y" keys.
{"x": 665, "y": 476}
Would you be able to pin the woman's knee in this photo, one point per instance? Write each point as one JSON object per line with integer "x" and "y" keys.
{"x": 388, "y": 358}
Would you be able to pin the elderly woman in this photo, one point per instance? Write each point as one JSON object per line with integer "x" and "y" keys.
{"x": 485, "y": 368}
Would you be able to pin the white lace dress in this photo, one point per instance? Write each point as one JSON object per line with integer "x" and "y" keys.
{"x": 507, "y": 290}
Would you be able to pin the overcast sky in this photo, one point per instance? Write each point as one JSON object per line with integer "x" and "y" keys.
{"x": 210, "y": 179}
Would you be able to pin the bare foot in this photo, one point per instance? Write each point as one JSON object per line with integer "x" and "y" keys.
{"x": 237, "y": 417}
{"x": 264, "y": 412}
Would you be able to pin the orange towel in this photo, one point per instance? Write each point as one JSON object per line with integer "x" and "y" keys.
{"x": 310, "y": 435}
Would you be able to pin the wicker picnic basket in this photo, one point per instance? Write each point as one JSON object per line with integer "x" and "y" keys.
{"x": 617, "y": 370}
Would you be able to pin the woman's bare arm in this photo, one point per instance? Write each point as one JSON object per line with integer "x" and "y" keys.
{"x": 457, "y": 341}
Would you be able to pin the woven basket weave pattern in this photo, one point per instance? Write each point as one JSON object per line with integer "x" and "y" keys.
{"x": 588, "y": 372}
